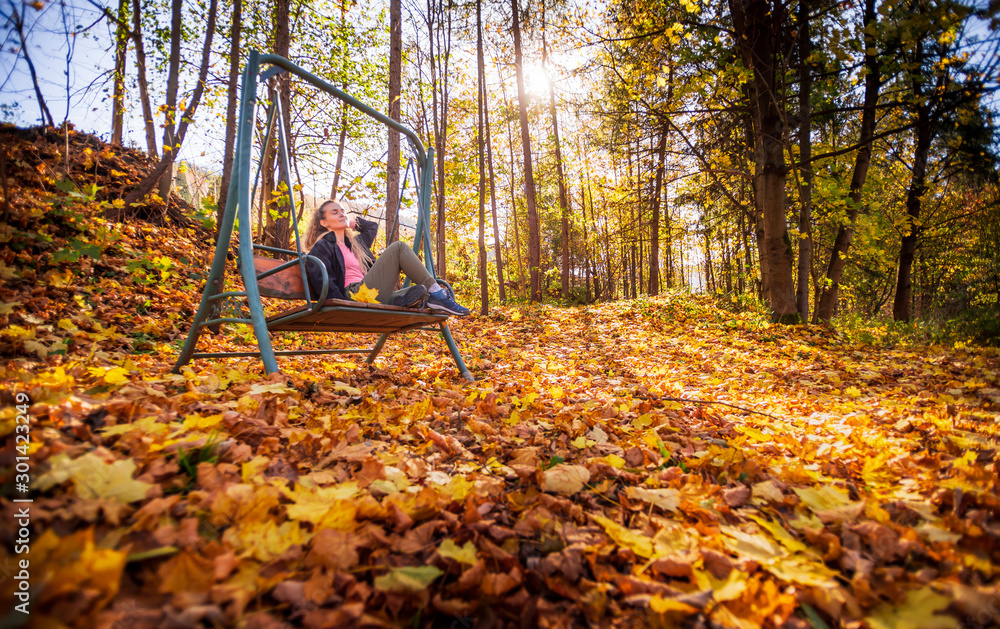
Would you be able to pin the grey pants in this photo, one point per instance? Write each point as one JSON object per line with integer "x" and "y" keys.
{"x": 385, "y": 272}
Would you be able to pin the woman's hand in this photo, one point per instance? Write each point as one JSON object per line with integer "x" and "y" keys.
{"x": 352, "y": 221}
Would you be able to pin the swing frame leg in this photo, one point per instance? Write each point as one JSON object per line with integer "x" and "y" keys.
{"x": 453, "y": 347}
{"x": 377, "y": 348}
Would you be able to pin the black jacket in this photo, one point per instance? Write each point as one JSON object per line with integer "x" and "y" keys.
{"x": 328, "y": 252}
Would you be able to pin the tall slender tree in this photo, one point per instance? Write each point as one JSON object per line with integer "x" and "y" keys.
{"x": 235, "y": 33}
{"x": 170, "y": 143}
{"x": 121, "y": 53}
{"x": 862, "y": 160}
{"x": 563, "y": 197}
{"x": 497, "y": 248}
{"x": 149, "y": 124}
{"x": 534, "y": 238}
{"x": 484, "y": 290}
{"x": 805, "y": 158}
{"x": 167, "y": 161}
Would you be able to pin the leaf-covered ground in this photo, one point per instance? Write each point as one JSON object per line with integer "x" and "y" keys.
{"x": 657, "y": 462}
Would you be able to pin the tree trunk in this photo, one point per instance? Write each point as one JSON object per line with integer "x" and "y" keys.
{"x": 586, "y": 245}
{"x": 563, "y": 200}
{"x": 513, "y": 192}
{"x": 342, "y": 142}
{"x": 584, "y": 191}
{"x": 534, "y": 240}
{"x": 121, "y": 51}
{"x": 170, "y": 144}
{"x": 845, "y": 233}
{"x": 140, "y": 75}
{"x": 282, "y": 228}
{"x": 231, "y": 102}
{"x": 654, "y": 223}
{"x": 341, "y": 145}
{"x": 395, "y": 91}
{"x": 439, "y": 87}
{"x": 908, "y": 246}
{"x": 709, "y": 275}
{"x": 805, "y": 159}
{"x": 484, "y": 292}
{"x": 493, "y": 198}
{"x": 759, "y": 25}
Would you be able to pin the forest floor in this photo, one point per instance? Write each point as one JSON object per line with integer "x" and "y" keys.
{"x": 654, "y": 462}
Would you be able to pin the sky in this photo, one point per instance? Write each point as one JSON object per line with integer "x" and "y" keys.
{"x": 48, "y": 46}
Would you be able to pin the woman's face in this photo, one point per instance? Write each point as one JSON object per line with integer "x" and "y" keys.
{"x": 334, "y": 217}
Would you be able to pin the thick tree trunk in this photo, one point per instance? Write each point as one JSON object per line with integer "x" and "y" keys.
{"x": 121, "y": 52}
{"x": 170, "y": 143}
{"x": 282, "y": 221}
{"x": 805, "y": 159}
{"x": 534, "y": 240}
{"x": 908, "y": 246}
{"x": 140, "y": 75}
{"x": 236, "y": 27}
{"x": 395, "y": 92}
{"x": 759, "y": 25}
{"x": 845, "y": 233}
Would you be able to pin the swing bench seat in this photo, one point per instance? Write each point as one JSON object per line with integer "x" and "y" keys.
{"x": 332, "y": 315}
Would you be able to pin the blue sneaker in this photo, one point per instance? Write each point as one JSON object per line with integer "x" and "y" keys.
{"x": 441, "y": 300}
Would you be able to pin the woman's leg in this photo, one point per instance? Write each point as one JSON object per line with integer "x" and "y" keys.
{"x": 385, "y": 272}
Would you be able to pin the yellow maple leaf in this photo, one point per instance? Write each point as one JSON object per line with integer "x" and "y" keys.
{"x": 408, "y": 579}
{"x": 565, "y": 479}
{"x": 60, "y": 280}
{"x": 830, "y": 503}
{"x": 667, "y": 499}
{"x": 662, "y": 605}
{"x": 96, "y": 479}
{"x": 187, "y": 572}
{"x": 465, "y": 553}
{"x": 727, "y": 589}
{"x": 366, "y": 295}
{"x": 918, "y": 611}
{"x": 638, "y": 543}
{"x": 74, "y": 563}
{"x": 265, "y": 540}
{"x": 117, "y": 375}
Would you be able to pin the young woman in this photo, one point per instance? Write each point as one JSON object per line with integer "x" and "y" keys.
{"x": 349, "y": 262}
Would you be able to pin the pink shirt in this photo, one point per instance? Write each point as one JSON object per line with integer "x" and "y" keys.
{"x": 352, "y": 268}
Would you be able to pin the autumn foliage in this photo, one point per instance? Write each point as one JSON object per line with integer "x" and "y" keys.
{"x": 654, "y": 462}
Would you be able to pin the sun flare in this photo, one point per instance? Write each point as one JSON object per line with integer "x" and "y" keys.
{"x": 536, "y": 80}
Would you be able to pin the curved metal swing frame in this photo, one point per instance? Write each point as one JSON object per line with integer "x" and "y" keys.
{"x": 383, "y": 319}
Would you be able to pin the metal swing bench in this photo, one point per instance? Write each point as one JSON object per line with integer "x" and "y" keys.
{"x": 270, "y": 277}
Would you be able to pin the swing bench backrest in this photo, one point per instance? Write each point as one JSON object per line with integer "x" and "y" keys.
{"x": 283, "y": 284}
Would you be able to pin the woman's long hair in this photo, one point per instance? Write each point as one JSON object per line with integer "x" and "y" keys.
{"x": 315, "y": 232}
